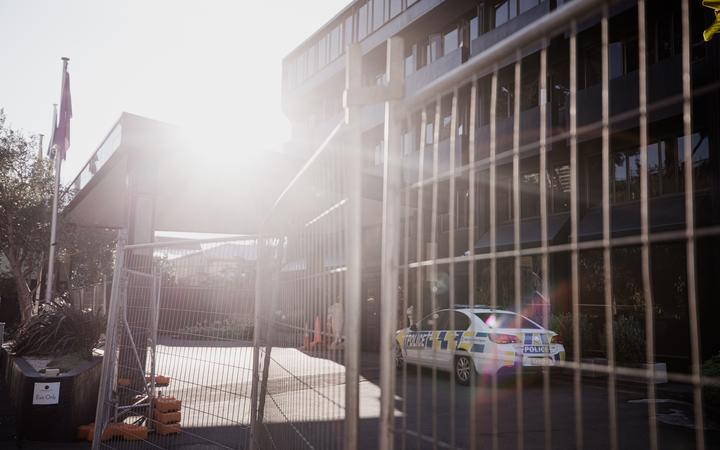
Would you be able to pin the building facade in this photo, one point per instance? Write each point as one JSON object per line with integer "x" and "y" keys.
{"x": 466, "y": 225}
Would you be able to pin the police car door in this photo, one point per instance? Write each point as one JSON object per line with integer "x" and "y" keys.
{"x": 436, "y": 345}
{"x": 416, "y": 339}
{"x": 450, "y": 336}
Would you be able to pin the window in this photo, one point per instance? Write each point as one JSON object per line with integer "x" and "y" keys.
{"x": 322, "y": 52}
{"x": 559, "y": 188}
{"x": 410, "y": 60}
{"x": 395, "y": 7}
{"x": 450, "y": 41}
{"x": 626, "y": 176}
{"x": 526, "y": 5}
{"x": 474, "y": 27}
{"x": 504, "y": 199}
{"x": 348, "y": 28}
{"x": 506, "y": 93}
{"x": 363, "y": 21}
{"x": 435, "y": 321}
{"x": 379, "y": 14}
{"x": 594, "y": 172}
{"x": 505, "y": 320}
{"x": 445, "y": 117}
{"x": 335, "y": 44}
{"x": 530, "y": 88}
{"x": 462, "y": 321}
{"x": 433, "y": 50}
{"x": 530, "y": 195}
{"x": 430, "y": 130}
{"x": 502, "y": 12}
{"x": 700, "y": 159}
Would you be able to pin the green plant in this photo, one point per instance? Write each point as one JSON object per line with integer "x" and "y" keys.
{"x": 230, "y": 328}
{"x": 711, "y": 394}
{"x": 629, "y": 340}
{"x": 563, "y": 325}
{"x": 57, "y": 330}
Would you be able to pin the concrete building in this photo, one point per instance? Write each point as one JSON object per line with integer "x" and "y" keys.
{"x": 440, "y": 36}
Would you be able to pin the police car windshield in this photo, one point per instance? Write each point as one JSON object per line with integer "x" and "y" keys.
{"x": 504, "y": 320}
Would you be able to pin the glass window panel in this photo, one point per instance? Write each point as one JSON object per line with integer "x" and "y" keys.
{"x": 615, "y": 52}
{"x": 505, "y": 320}
{"x": 450, "y": 41}
{"x": 619, "y": 177}
{"x": 501, "y": 13}
{"x": 559, "y": 180}
{"x": 633, "y": 171}
{"x": 379, "y": 14}
{"x": 654, "y": 169}
{"x": 348, "y": 29}
{"x": 594, "y": 181}
{"x": 526, "y": 5}
{"x": 462, "y": 322}
{"x": 530, "y": 191}
{"x": 513, "y": 8}
{"x": 429, "y": 132}
{"x": 363, "y": 19}
{"x": 474, "y": 27}
{"x": 395, "y": 7}
{"x": 700, "y": 158}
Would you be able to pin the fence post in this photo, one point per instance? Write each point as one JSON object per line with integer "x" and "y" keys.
{"x": 390, "y": 243}
{"x": 353, "y": 244}
{"x": 109, "y": 361}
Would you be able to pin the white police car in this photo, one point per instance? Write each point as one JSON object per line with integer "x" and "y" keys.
{"x": 479, "y": 339}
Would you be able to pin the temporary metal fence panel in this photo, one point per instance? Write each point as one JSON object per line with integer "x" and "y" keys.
{"x": 180, "y": 326}
{"x": 506, "y": 206}
{"x": 308, "y": 308}
{"x": 530, "y": 183}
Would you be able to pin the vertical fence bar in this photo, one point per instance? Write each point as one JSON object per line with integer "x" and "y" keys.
{"x": 644, "y": 229}
{"x": 690, "y": 229}
{"x": 353, "y": 235}
{"x": 493, "y": 243}
{"x": 519, "y": 410}
{"x": 419, "y": 256}
{"x": 547, "y": 418}
{"x": 607, "y": 255}
{"x": 574, "y": 238}
{"x": 390, "y": 243}
{"x": 472, "y": 418}
{"x": 451, "y": 248}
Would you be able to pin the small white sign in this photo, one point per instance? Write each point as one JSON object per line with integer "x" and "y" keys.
{"x": 46, "y": 394}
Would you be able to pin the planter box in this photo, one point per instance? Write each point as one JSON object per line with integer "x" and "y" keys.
{"x": 50, "y": 408}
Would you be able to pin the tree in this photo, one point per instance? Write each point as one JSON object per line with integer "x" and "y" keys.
{"x": 26, "y": 185}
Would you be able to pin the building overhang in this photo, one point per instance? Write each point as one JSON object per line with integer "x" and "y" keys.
{"x": 194, "y": 189}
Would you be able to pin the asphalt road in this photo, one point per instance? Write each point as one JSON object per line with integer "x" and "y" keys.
{"x": 443, "y": 419}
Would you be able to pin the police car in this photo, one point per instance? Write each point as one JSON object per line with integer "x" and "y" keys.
{"x": 479, "y": 339}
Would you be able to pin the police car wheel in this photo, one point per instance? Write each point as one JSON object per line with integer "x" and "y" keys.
{"x": 463, "y": 370}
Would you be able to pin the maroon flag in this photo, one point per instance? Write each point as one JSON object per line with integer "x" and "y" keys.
{"x": 61, "y": 136}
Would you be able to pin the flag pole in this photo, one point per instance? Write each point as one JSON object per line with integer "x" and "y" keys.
{"x": 53, "y": 224}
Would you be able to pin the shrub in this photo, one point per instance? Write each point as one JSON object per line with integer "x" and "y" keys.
{"x": 57, "y": 330}
{"x": 233, "y": 329}
{"x": 563, "y": 325}
{"x": 711, "y": 394}
{"x": 629, "y": 340}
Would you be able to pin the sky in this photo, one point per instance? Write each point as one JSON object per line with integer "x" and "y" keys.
{"x": 213, "y": 66}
